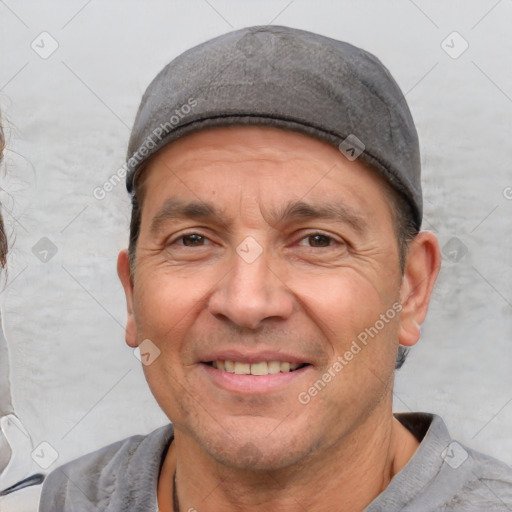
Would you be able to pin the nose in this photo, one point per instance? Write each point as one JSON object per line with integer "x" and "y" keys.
{"x": 250, "y": 293}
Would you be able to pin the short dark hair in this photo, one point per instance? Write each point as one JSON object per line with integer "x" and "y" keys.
{"x": 404, "y": 225}
{"x": 405, "y": 232}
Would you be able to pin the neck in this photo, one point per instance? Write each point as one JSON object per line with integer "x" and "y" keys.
{"x": 352, "y": 472}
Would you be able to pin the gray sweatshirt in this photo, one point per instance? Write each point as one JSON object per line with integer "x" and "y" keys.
{"x": 443, "y": 475}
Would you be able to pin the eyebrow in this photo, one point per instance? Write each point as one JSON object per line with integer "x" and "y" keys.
{"x": 177, "y": 209}
{"x": 331, "y": 211}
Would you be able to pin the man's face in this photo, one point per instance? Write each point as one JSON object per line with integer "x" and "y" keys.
{"x": 262, "y": 246}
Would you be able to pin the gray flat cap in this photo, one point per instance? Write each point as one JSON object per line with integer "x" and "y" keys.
{"x": 286, "y": 78}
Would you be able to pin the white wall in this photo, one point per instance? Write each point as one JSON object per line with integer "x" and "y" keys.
{"x": 74, "y": 382}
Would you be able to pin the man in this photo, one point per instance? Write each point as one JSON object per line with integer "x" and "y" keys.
{"x": 274, "y": 279}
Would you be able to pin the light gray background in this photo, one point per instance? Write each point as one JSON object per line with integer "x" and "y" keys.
{"x": 75, "y": 384}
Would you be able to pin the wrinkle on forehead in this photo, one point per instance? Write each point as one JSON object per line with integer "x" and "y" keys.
{"x": 258, "y": 154}
{"x": 246, "y": 143}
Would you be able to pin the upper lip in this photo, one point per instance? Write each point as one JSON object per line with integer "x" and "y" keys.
{"x": 251, "y": 357}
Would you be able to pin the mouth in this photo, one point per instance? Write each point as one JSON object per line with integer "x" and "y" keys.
{"x": 260, "y": 368}
{"x": 254, "y": 373}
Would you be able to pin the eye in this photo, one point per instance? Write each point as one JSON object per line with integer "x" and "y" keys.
{"x": 317, "y": 240}
{"x": 192, "y": 240}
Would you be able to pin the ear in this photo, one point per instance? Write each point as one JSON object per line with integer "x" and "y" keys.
{"x": 421, "y": 270}
{"x": 123, "y": 271}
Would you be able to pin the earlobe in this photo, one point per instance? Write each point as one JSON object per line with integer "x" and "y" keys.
{"x": 123, "y": 271}
{"x": 421, "y": 270}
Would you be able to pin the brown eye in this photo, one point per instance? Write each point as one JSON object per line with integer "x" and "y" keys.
{"x": 193, "y": 240}
{"x": 319, "y": 240}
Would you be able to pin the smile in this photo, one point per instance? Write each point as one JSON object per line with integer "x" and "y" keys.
{"x": 259, "y": 368}
{"x": 256, "y": 378}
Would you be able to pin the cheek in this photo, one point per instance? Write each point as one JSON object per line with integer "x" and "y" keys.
{"x": 164, "y": 301}
{"x": 347, "y": 308}
{"x": 165, "y": 309}
{"x": 343, "y": 301}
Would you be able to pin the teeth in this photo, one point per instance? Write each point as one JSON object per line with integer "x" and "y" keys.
{"x": 285, "y": 367}
{"x": 261, "y": 368}
{"x": 274, "y": 367}
{"x": 242, "y": 368}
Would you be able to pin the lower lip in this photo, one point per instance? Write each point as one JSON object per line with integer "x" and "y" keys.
{"x": 253, "y": 384}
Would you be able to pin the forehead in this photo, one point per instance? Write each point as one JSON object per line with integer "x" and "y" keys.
{"x": 238, "y": 144}
{"x": 262, "y": 164}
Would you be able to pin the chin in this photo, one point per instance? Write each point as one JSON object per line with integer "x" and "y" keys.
{"x": 259, "y": 457}
{"x": 257, "y": 445}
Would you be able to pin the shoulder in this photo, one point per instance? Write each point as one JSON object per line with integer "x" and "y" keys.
{"x": 487, "y": 484}
{"x": 108, "y": 477}
{"x": 445, "y": 475}
{"x": 477, "y": 481}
